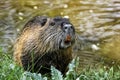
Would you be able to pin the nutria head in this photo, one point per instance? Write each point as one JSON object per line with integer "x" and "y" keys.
{"x": 58, "y": 33}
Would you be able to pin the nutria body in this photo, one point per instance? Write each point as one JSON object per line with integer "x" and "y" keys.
{"x": 44, "y": 42}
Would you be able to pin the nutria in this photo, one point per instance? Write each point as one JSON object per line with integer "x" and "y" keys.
{"x": 45, "y": 42}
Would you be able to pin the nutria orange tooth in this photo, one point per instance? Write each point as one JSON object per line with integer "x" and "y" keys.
{"x": 68, "y": 38}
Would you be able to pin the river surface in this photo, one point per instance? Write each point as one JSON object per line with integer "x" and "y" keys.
{"x": 97, "y": 24}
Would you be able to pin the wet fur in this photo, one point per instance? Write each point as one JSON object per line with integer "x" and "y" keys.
{"x": 37, "y": 48}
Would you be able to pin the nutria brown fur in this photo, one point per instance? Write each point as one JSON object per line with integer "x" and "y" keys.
{"x": 44, "y": 42}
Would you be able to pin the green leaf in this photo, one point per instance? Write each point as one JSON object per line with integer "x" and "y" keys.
{"x": 32, "y": 76}
{"x": 56, "y": 75}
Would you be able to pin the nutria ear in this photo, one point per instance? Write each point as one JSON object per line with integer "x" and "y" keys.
{"x": 43, "y": 20}
{"x": 38, "y": 20}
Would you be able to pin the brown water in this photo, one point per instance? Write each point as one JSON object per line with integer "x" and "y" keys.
{"x": 97, "y": 24}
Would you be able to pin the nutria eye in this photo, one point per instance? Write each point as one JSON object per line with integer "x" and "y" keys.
{"x": 65, "y": 27}
{"x": 52, "y": 23}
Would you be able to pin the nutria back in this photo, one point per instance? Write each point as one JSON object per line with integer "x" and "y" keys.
{"x": 44, "y": 42}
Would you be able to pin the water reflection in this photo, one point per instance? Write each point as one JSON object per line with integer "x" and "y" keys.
{"x": 96, "y": 21}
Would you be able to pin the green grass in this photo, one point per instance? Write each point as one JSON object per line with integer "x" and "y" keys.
{"x": 10, "y": 71}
